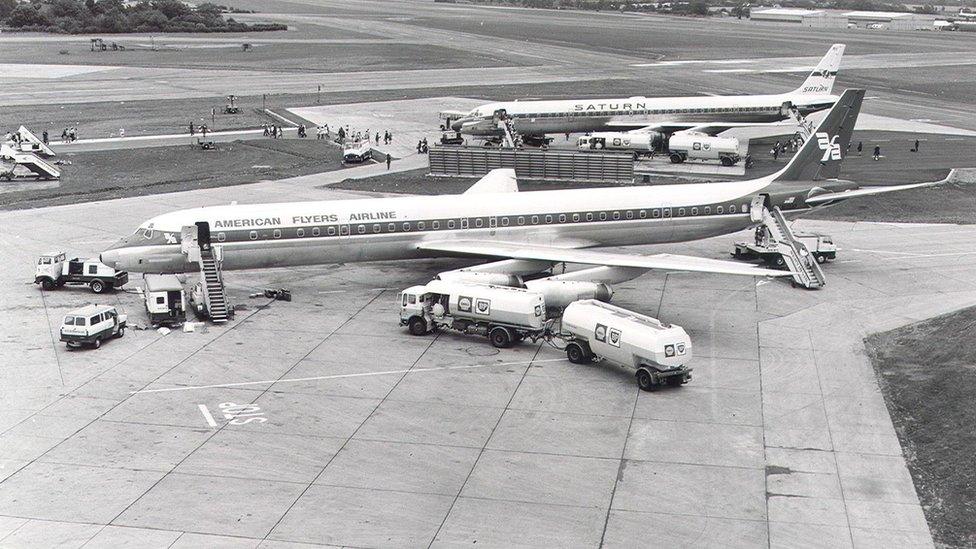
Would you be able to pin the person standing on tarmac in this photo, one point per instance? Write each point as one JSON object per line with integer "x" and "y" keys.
{"x": 389, "y": 160}
{"x": 860, "y": 147}
{"x": 916, "y": 146}
{"x": 877, "y": 152}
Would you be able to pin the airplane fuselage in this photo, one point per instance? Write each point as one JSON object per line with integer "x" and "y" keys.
{"x": 587, "y": 115}
{"x": 339, "y": 231}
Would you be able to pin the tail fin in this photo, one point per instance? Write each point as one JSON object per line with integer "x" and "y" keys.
{"x": 821, "y": 155}
{"x": 821, "y": 80}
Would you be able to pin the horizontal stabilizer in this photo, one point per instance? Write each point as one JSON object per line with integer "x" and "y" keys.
{"x": 500, "y": 180}
{"x": 961, "y": 176}
{"x": 667, "y": 262}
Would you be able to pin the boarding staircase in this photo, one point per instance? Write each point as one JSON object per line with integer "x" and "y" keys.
{"x": 511, "y": 137}
{"x": 30, "y": 143}
{"x": 214, "y": 296}
{"x": 806, "y": 271}
{"x": 804, "y": 127}
{"x": 41, "y": 168}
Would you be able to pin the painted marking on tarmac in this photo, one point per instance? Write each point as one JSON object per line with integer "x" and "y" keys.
{"x": 206, "y": 415}
{"x": 336, "y": 376}
{"x": 911, "y": 255}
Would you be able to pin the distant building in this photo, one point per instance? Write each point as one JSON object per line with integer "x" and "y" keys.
{"x": 797, "y": 16}
{"x": 894, "y": 20}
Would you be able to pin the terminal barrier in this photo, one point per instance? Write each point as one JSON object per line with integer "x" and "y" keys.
{"x": 549, "y": 165}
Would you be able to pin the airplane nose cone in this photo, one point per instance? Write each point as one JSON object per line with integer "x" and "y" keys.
{"x": 110, "y": 258}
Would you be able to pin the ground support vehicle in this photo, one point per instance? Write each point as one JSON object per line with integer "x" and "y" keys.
{"x": 766, "y": 249}
{"x": 593, "y": 330}
{"x": 688, "y": 145}
{"x": 53, "y": 271}
{"x": 165, "y": 301}
{"x": 92, "y": 324}
{"x": 453, "y": 138}
{"x": 640, "y": 143}
{"x": 357, "y": 151}
{"x": 503, "y": 314}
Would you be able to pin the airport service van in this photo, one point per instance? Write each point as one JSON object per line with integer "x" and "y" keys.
{"x": 165, "y": 300}
{"x": 92, "y": 324}
{"x": 684, "y": 146}
{"x": 54, "y": 271}
{"x": 595, "y": 330}
{"x": 503, "y": 314}
{"x": 357, "y": 151}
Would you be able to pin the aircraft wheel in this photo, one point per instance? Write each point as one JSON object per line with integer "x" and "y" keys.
{"x": 417, "y": 326}
{"x": 500, "y": 337}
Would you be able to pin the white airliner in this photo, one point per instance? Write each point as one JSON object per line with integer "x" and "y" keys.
{"x": 663, "y": 115}
{"x": 525, "y": 232}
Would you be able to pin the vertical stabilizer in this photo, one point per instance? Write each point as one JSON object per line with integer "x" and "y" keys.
{"x": 821, "y": 155}
{"x": 821, "y": 80}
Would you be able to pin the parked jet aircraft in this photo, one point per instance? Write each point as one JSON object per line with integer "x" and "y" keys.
{"x": 664, "y": 115}
{"x": 528, "y": 231}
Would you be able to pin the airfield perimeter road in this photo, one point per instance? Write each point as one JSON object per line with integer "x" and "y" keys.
{"x": 374, "y": 438}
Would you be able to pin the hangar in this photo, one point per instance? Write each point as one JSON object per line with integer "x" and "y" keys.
{"x": 890, "y": 19}
{"x": 798, "y": 16}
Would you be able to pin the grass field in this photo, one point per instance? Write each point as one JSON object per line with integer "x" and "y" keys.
{"x": 119, "y": 173}
{"x": 927, "y": 373}
{"x": 218, "y": 53}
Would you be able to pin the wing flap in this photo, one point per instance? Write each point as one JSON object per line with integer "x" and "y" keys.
{"x": 667, "y": 262}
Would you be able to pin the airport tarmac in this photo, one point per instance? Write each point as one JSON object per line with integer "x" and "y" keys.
{"x": 374, "y": 438}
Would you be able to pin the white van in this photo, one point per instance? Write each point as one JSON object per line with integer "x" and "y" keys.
{"x": 91, "y": 324}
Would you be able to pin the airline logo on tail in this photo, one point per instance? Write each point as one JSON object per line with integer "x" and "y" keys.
{"x": 829, "y": 146}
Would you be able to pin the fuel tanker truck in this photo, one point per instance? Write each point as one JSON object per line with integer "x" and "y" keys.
{"x": 638, "y": 142}
{"x": 688, "y": 145}
{"x": 593, "y": 331}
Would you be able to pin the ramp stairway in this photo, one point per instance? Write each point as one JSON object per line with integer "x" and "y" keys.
{"x": 213, "y": 287}
{"x": 512, "y": 139}
{"x": 806, "y": 271}
{"x": 32, "y": 162}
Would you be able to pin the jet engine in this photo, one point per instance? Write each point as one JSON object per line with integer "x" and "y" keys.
{"x": 560, "y": 293}
{"x": 475, "y": 277}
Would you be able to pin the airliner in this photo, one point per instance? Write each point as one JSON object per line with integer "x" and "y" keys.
{"x": 520, "y": 233}
{"x": 663, "y": 115}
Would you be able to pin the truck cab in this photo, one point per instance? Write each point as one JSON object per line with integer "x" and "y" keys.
{"x": 48, "y": 270}
{"x": 414, "y": 310}
{"x": 92, "y": 324}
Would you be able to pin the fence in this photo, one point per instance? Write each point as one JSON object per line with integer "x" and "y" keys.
{"x": 552, "y": 165}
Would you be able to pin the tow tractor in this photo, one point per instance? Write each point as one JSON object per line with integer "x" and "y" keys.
{"x": 765, "y": 248}
{"x": 54, "y": 271}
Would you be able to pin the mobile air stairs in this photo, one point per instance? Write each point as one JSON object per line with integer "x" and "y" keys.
{"x": 39, "y": 167}
{"x": 209, "y": 296}
{"x": 777, "y": 245}
{"x": 801, "y": 262}
{"x": 30, "y": 143}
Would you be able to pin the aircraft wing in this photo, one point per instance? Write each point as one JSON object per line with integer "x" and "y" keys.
{"x": 709, "y": 128}
{"x": 955, "y": 176}
{"x": 499, "y": 180}
{"x": 667, "y": 262}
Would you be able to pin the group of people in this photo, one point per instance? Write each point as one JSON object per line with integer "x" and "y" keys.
{"x": 203, "y": 130}
{"x": 793, "y": 144}
{"x": 422, "y": 147}
{"x": 69, "y": 134}
{"x": 273, "y": 131}
{"x": 796, "y": 142}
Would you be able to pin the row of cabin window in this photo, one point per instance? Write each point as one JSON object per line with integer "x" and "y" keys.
{"x": 505, "y": 221}
{"x": 644, "y": 111}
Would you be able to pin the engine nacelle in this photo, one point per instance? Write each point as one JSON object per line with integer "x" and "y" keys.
{"x": 560, "y": 293}
{"x": 474, "y": 277}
